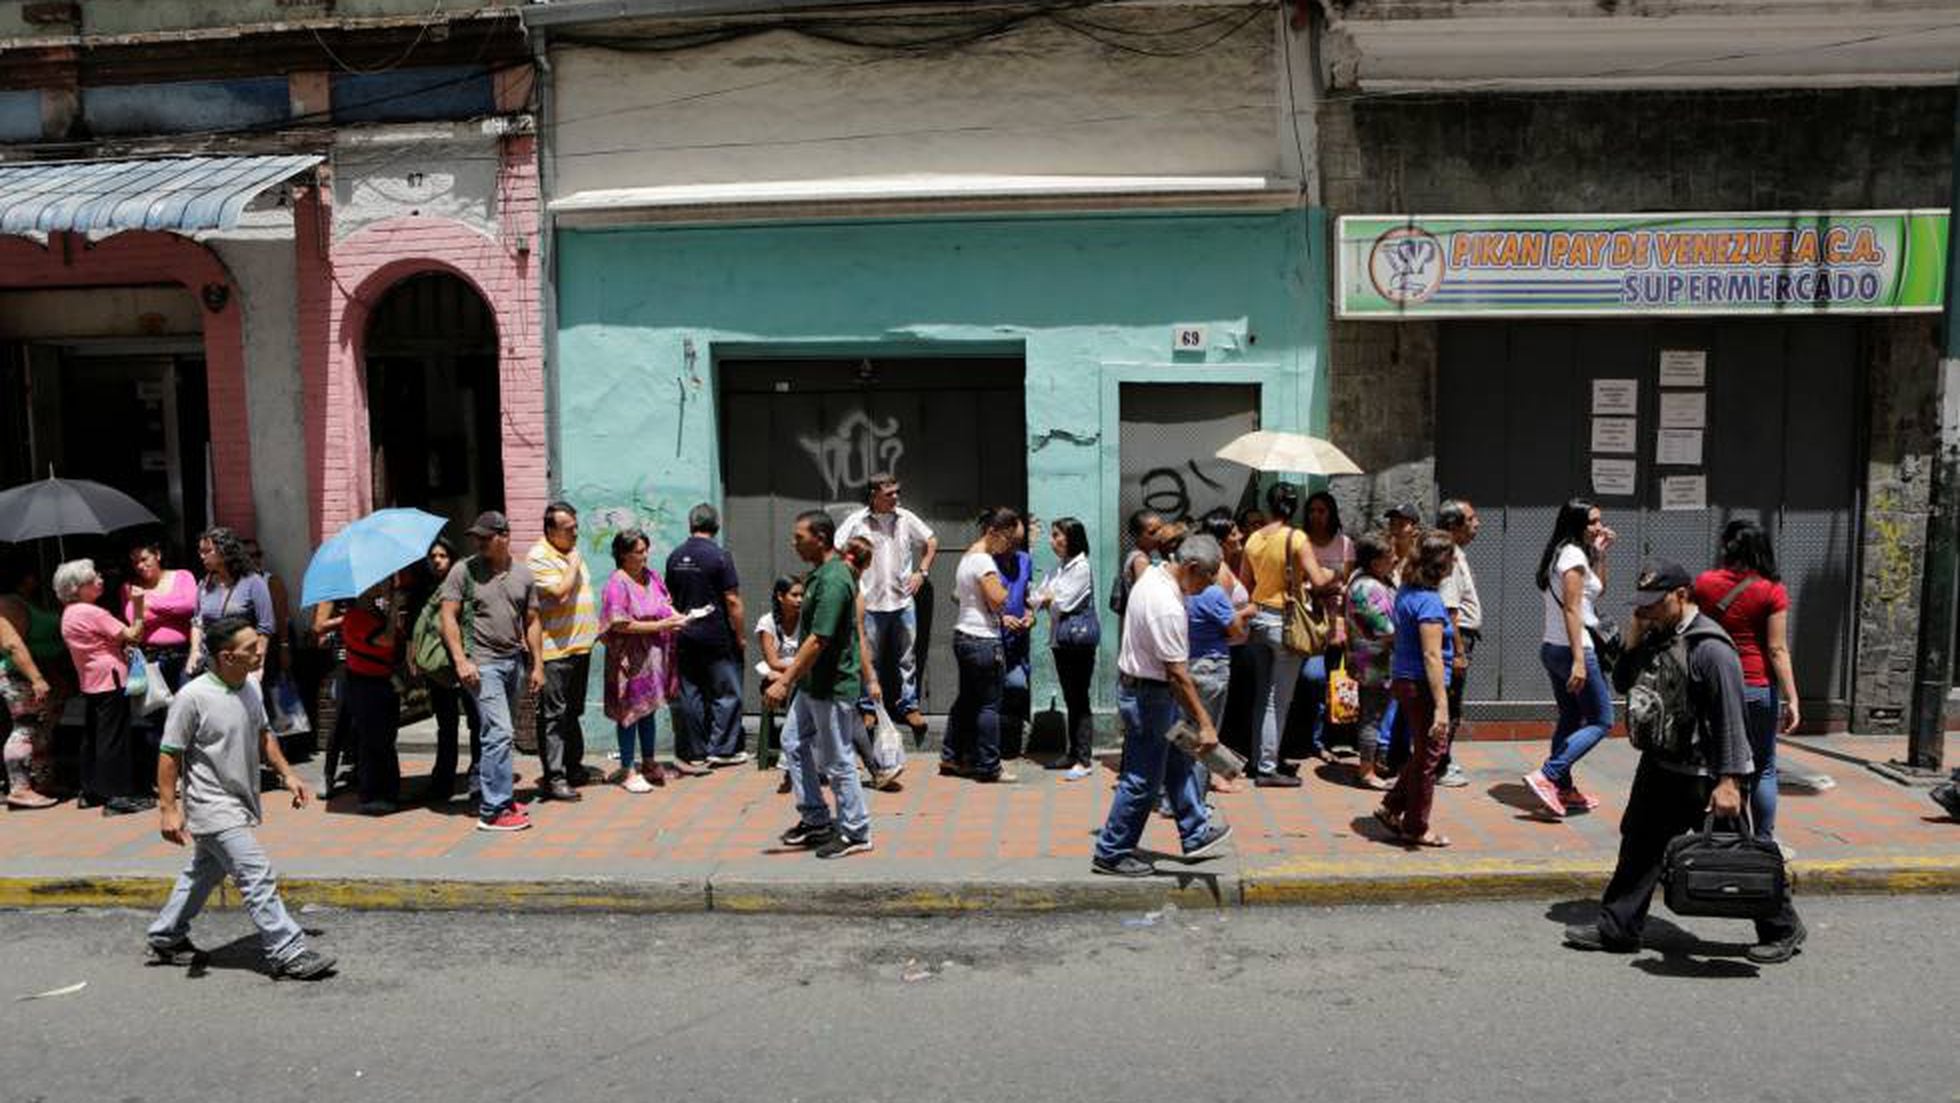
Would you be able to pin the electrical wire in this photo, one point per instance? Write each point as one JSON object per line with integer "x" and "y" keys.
{"x": 421, "y": 33}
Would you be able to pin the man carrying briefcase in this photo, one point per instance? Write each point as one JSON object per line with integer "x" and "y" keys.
{"x": 1683, "y": 682}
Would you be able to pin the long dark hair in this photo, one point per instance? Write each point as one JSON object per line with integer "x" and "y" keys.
{"x": 1333, "y": 512}
{"x": 784, "y": 584}
{"x": 1745, "y": 548}
{"x": 1075, "y": 538}
{"x": 1570, "y": 528}
{"x": 231, "y": 551}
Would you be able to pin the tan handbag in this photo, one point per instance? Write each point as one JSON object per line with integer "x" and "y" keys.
{"x": 1308, "y": 627}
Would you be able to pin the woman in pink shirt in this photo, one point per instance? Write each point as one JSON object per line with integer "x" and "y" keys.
{"x": 96, "y": 640}
{"x": 169, "y": 607}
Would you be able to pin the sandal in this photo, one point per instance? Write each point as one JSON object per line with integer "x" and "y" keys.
{"x": 29, "y": 799}
{"x": 1432, "y": 839}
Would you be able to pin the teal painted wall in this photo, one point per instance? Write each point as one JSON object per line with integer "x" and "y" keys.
{"x": 643, "y": 314}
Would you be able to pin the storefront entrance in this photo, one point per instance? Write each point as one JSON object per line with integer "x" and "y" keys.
{"x": 1781, "y": 444}
{"x": 433, "y": 399}
{"x": 808, "y": 434}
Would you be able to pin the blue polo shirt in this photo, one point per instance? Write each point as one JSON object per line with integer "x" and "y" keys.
{"x": 1416, "y": 606}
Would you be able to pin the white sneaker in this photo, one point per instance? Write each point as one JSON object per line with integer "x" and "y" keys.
{"x": 736, "y": 759}
{"x": 636, "y": 782}
{"x": 1078, "y": 772}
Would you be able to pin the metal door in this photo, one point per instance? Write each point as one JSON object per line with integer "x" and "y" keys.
{"x": 1780, "y": 446}
{"x": 1169, "y": 432}
{"x": 807, "y": 434}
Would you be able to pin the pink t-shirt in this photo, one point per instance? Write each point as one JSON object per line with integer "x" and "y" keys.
{"x": 94, "y": 638}
{"x": 167, "y": 615}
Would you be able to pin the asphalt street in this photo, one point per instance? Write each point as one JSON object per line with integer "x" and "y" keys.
{"x": 1464, "y": 1002}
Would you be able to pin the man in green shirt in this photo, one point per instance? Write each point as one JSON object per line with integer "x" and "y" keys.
{"x": 826, "y": 667}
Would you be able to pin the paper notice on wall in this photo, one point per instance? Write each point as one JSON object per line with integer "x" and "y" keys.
{"x": 1613, "y": 434}
{"x": 1684, "y": 367}
{"x": 1684, "y": 409}
{"x": 1615, "y": 477}
{"x": 1616, "y": 396}
{"x": 1684, "y": 492}
{"x": 1678, "y": 448}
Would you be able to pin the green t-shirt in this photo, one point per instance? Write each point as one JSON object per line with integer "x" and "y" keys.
{"x": 830, "y": 612}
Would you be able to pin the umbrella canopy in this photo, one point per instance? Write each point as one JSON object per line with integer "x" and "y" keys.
{"x": 1266, "y": 450}
{"x": 368, "y": 551}
{"x": 67, "y": 507}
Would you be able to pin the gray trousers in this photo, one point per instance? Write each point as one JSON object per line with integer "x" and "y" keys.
{"x": 561, "y": 742}
{"x": 235, "y": 851}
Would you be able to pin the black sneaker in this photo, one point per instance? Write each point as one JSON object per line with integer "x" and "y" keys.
{"x": 306, "y": 965}
{"x": 1277, "y": 781}
{"x": 1947, "y": 796}
{"x": 1210, "y": 844}
{"x": 1779, "y": 950}
{"x": 180, "y": 952}
{"x": 124, "y": 806}
{"x": 806, "y": 834}
{"x": 1129, "y": 865}
{"x": 1586, "y": 936}
{"x": 840, "y": 846}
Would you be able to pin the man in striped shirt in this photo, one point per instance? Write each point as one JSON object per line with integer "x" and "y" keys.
{"x": 571, "y": 627}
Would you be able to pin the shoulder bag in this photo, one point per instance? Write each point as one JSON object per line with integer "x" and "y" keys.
{"x": 1308, "y": 627}
{"x": 1724, "y": 874}
{"x": 1080, "y": 627}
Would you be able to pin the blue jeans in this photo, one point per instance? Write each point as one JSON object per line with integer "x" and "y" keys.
{"x": 497, "y": 693}
{"x": 1583, "y": 719}
{"x": 973, "y": 727}
{"x": 1759, "y": 712}
{"x": 642, "y": 732}
{"x": 235, "y": 851}
{"x": 1275, "y": 675}
{"x": 1148, "y": 712}
{"x": 822, "y": 749}
{"x": 892, "y": 638}
{"x": 708, "y": 715}
{"x": 1311, "y": 695}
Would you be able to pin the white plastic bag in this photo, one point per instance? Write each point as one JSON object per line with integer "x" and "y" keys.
{"x": 156, "y": 694}
{"x": 888, "y": 748}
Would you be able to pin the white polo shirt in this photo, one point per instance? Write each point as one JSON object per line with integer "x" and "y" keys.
{"x": 1156, "y": 629}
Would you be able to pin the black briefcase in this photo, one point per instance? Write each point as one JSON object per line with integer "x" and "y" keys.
{"x": 1725, "y": 874}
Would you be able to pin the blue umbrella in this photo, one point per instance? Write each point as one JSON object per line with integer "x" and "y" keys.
{"x": 368, "y": 551}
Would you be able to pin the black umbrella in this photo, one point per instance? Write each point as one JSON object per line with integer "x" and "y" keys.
{"x": 67, "y": 507}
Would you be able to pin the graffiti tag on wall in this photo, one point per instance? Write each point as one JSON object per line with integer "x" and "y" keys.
{"x": 857, "y": 449}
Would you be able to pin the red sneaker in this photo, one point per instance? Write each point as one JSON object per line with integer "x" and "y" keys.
{"x": 510, "y": 819}
{"x": 1578, "y": 798}
{"x": 1547, "y": 793}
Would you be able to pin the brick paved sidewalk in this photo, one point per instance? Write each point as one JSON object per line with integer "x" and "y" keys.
{"x": 946, "y": 832}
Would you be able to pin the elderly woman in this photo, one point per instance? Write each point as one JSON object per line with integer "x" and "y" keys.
{"x": 96, "y": 639}
{"x": 232, "y": 584}
{"x": 639, "y": 621}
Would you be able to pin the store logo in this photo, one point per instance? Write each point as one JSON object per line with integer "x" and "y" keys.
{"x": 1406, "y": 264}
{"x": 858, "y": 449}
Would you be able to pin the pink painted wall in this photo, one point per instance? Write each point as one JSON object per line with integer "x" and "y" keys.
{"x": 146, "y": 257}
{"x": 339, "y": 283}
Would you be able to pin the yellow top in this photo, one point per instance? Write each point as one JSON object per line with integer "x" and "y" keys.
{"x": 571, "y": 626}
{"x": 1266, "y": 551}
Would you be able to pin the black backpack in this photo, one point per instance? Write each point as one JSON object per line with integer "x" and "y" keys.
{"x": 1660, "y": 717}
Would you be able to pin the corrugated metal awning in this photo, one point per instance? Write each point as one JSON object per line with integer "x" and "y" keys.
{"x": 172, "y": 193}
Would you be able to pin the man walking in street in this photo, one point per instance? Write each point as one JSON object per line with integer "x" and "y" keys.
{"x": 1458, "y": 518}
{"x": 500, "y": 638}
{"x": 826, "y": 668}
{"x": 569, "y": 627}
{"x": 1673, "y": 792}
{"x": 701, "y": 579}
{"x": 902, "y": 550}
{"x": 214, "y": 740}
{"x": 1153, "y": 684}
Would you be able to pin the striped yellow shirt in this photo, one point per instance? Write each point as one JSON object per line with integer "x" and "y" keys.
{"x": 571, "y": 626}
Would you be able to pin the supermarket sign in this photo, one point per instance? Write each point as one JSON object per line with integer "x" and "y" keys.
{"x": 1812, "y": 262}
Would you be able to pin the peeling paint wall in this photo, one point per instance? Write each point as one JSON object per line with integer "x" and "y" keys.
{"x": 1038, "y": 99}
{"x": 448, "y": 177}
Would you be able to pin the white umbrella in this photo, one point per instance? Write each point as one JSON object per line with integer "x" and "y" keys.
{"x": 1266, "y": 450}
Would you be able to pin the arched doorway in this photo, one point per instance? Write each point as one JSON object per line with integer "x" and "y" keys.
{"x": 433, "y": 413}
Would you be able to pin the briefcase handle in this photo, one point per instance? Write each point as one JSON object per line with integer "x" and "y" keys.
{"x": 1748, "y": 824}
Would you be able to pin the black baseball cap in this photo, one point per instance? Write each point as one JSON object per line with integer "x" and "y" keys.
{"x": 490, "y": 523}
{"x": 1659, "y": 578}
{"x": 1405, "y": 510}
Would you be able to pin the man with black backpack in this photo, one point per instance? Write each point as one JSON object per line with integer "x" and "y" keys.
{"x": 1683, "y": 681}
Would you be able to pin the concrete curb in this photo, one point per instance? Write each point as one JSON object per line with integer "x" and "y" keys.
{"x": 1290, "y": 883}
